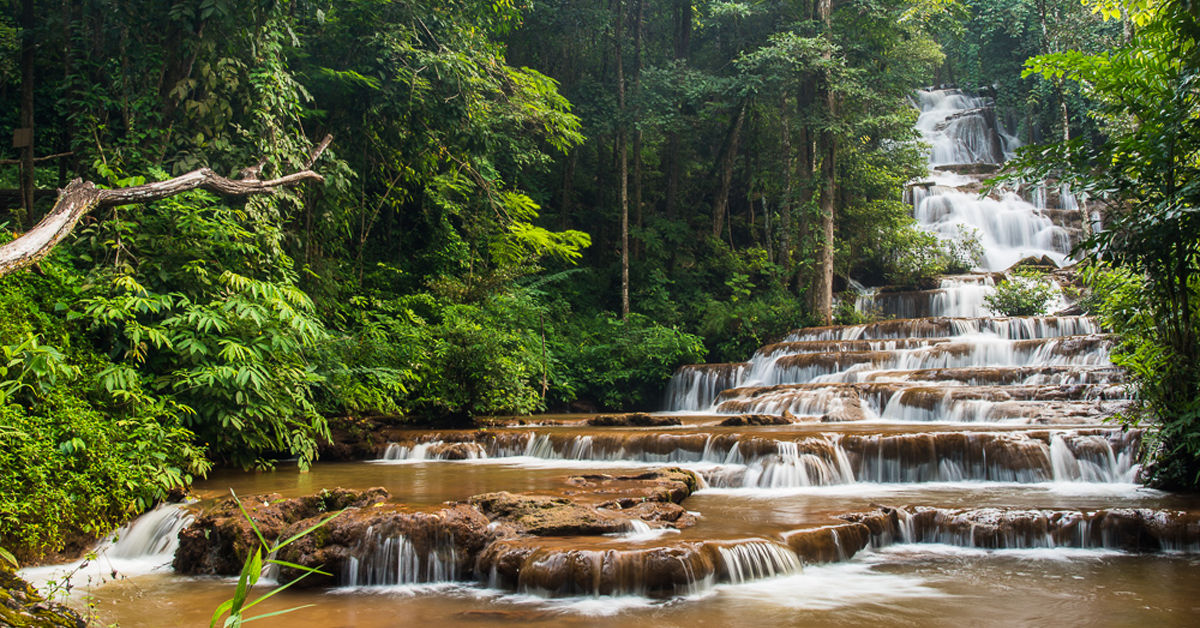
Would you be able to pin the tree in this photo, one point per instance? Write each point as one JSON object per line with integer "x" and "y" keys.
{"x": 1147, "y": 171}
{"x": 80, "y": 197}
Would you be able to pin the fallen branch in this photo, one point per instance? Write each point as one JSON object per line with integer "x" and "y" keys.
{"x": 81, "y": 197}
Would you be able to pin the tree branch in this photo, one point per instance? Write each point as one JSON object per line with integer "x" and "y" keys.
{"x": 81, "y": 197}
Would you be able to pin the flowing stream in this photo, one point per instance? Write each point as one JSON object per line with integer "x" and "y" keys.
{"x": 984, "y": 435}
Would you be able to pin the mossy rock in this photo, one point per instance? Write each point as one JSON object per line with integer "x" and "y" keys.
{"x": 21, "y": 606}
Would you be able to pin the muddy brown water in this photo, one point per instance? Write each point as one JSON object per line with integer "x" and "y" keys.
{"x": 909, "y": 585}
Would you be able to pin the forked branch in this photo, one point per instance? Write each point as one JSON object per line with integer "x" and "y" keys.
{"x": 81, "y": 197}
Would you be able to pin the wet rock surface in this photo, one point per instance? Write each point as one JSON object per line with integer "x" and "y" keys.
{"x": 221, "y": 537}
{"x": 23, "y": 607}
{"x": 743, "y": 420}
{"x": 1131, "y": 529}
{"x": 634, "y": 419}
{"x": 366, "y": 543}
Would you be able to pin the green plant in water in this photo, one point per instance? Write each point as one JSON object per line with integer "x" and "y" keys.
{"x": 236, "y": 606}
{"x": 1026, "y": 292}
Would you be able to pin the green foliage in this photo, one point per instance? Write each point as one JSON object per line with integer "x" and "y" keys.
{"x": 620, "y": 364}
{"x": 199, "y": 305}
{"x": 1118, "y": 297}
{"x": 484, "y": 359}
{"x": 964, "y": 252}
{"x": 1146, "y": 171}
{"x": 1025, "y": 292}
{"x": 74, "y": 461}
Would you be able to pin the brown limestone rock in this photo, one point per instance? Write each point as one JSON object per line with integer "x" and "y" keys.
{"x": 541, "y": 515}
{"x": 561, "y": 569}
{"x": 743, "y": 420}
{"x": 359, "y": 532}
{"x": 221, "y": 538}
{"x": 633, "y": 419}
{"x": 624, "y": 491}
{"x": 1134, "y": 529}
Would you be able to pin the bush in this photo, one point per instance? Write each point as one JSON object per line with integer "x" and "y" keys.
{"x": 734, "y": 329}
{"x": 1026, "y": 292}
{"x": 964, "y": 252}
{"x": 622, "y": 365}
{"x": 204, "y": 308}
{"x": 71, "y": 472}
{"x": 1162, "y": 383}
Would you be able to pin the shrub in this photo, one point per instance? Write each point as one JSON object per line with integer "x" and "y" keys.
{"x": 1160, "y": 380}
{"x": 964, "y": 252}
{"x": 622, "y": 365}
{"x": 1026, "y": 292}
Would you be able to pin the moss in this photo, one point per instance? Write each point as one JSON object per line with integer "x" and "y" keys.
{"x": 21, "y": 606}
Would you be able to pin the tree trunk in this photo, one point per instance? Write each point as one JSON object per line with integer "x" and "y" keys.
{"x": 785, "y": 205}
{"x": 81, "y": 197}
{"x": 623, "y": 153}
{"x": 823, "y": 296}
{"x": 638, "y": 34}
{"x": 725, "y": 170}
{"x": 27, "y": 182}
{"x": 682, "y": 18}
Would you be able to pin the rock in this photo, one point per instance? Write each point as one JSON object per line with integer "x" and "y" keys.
{"x": 547, "y": 516}
{"x": 21, "y": 606}
{"x": 360, "y": 438}
{"x": 670, "y": 514}
{"x": 829, "y": 544}
{"x": 457, "y": 531}
{"x": 1131, "y": 529}
{"x": 624, "y": 491}
{"x": 557, "y": 569}
{"x": 743, "y": 420}
{"x": 456, "y": 451}
{"x": 1043, "y": 262}
{"x": 634, "y": 419}
{"x": 220, "y": 538}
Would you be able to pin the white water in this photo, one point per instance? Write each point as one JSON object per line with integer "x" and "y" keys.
{"x": 145, "y": 545}
{"x": 393, "y": 559}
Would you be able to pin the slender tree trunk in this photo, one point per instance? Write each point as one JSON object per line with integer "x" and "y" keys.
{"x": 786, "y": 208}
{"x": 725, "y": 169}
{"x": 682, "y": 18}
{"x": 639, "y": 28}
{"x": 27, "y": 50}
{"x": 623, "y": 152}
{"x": 823, "y": 301}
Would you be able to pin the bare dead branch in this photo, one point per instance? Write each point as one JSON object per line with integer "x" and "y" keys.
{"x": 81, "y": 197}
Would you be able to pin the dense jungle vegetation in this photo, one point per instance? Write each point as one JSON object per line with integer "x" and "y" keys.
{"x": 528, "y": 205}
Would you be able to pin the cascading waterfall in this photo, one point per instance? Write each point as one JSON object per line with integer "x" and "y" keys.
{"x": 145, "y": 545}
{"x": 394, "y": 559}
{"x": 756, "y": 560}
{"x": 732, "y": 461}
{"x": 963, "y": 131}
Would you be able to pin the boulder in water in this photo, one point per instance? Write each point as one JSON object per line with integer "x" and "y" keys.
{"x": 542, "y": 515}
{"x": 371, "y": 539}
{"x": 220, "y": 538}
{"x": 743, "y": 420}
{"x": 1043, "y": 262}
{"x": 633, "y": 419}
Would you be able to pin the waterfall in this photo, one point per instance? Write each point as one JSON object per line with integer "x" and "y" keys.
{"x": 756, "y": 560}
{"x": 392, "y": 559}
{"x": 145, "y": 545}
